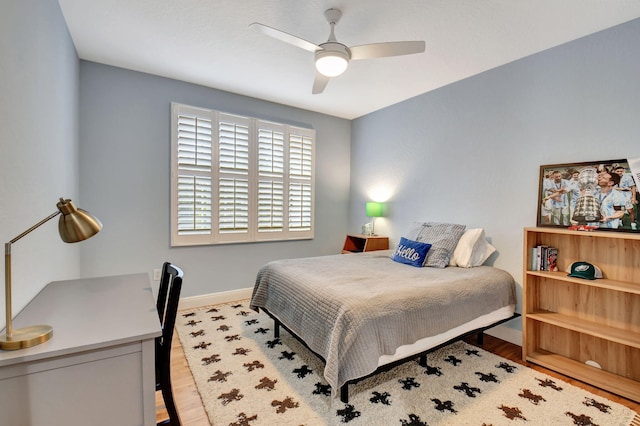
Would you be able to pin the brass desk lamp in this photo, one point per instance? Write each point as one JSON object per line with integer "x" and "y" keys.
{"x": 75, "y": 225}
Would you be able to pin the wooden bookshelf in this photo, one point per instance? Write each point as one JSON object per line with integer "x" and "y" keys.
{"x": 574, "y": 325}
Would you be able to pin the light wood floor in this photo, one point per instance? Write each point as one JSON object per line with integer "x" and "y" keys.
{"x": 192, "y": 412}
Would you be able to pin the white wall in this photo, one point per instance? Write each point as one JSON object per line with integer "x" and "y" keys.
{"x": 39, "y": 142}
{"x": 470, "y": 152}
{"x": 125, "y": 156}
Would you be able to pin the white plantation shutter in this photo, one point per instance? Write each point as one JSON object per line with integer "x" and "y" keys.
{"x": 194, "y": 204}
{"x": 239, "y": 179}
{"x": 300, "y": 207}
{"x": 301, "y": 148}
{"x": 300, "y": 188}
{"x": 233, "y": 202}
{"x": 271, "y": 162}
{"x": 233, "y": 172}
{"x": 270, "y": 151}
{"x": 233, "y": 145}
{"x": 193, "y": 173}
{"x": 270, "y": 206}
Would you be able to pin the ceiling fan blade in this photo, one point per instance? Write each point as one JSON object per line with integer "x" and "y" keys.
{"x": 286, "y": 37}
{"x": 319, "y": 83}
{"x": 381, "y": 50}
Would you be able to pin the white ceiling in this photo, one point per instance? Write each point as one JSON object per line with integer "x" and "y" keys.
{"x": 209, "y": 42}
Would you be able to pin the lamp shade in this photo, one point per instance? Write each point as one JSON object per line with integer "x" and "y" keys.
{"x": 76, "y": 224}
{"x": 330, "y": 65}
{"x": 374, "y": 209}
{"x": 332, "y": 60}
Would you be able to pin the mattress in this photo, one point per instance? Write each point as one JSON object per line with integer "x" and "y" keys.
{"x": 427, "y": 343}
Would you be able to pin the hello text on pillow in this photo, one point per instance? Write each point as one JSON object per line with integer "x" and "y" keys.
{"x": 411, "y": 252}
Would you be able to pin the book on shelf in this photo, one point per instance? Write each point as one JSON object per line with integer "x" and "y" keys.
{"x": 544, "y": 258}
{"x": 552, "y": 259}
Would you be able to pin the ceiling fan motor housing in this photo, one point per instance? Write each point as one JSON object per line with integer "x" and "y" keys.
{"x": 333, "y": 15}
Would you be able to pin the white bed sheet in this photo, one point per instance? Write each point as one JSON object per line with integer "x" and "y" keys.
{"x": 427, "y": 343}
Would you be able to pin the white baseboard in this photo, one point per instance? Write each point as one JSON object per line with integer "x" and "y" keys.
{"x": 501, "y": 332}
{"x": 214, "y": 298}
{"x": 506, "y": 333}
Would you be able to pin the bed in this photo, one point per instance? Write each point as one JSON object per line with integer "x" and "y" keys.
{"x": 362, "y": 312}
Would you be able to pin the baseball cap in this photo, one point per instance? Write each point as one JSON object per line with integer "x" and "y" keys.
{"x": 584, "y": 270}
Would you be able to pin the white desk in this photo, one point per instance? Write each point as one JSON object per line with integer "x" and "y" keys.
{"x": 99, "y": 366}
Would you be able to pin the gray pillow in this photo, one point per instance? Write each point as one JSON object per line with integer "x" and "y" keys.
{"x": 443, "y": 238}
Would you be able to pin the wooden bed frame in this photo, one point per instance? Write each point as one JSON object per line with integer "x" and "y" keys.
{"x": 344, "y": 390}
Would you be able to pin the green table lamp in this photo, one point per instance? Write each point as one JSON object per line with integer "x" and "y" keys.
{"x": 374, "y": 209}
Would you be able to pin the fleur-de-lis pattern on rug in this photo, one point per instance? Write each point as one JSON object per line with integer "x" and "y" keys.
{"x": 248, "y": 377}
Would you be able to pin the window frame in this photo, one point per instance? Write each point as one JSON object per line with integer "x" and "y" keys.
{"x": 213, "y": 236}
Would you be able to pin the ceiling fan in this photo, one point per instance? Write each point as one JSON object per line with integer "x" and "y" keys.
{"x": 332, "y": 57}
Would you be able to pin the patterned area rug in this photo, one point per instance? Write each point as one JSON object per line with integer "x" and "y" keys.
{"x": 246, "y": 377}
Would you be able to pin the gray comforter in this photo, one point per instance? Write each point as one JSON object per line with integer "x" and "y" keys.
{"x": 351, "y": 309}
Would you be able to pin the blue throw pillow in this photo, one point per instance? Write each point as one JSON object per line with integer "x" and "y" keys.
{"x": 411, "y": 252}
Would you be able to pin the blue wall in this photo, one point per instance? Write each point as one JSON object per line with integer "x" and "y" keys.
{"x": 470, "y": 152}
{"x": 125, "y": 157}
{"x": 38, "y": 143}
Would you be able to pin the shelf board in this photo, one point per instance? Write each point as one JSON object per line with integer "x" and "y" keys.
{"x": 589, "y": 234}
{"x": 626, "y": 387}
{"x": 624, "y": 286}
{"x": 601, "y": 331}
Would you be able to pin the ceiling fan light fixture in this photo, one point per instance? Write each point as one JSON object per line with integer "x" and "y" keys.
{"x": 333, "y": 60}
{"x": 331, "y": 65}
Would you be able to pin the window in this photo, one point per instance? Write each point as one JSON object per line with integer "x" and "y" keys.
{"x": 238, "y": 179}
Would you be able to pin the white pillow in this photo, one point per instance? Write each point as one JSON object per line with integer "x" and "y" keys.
{"x": 472, "y": 249}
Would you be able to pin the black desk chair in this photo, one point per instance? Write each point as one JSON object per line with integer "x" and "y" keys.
{"x": 167, "y": 305}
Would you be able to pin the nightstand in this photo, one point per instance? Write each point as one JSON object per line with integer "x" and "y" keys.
{"x": 357, "y": 243}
